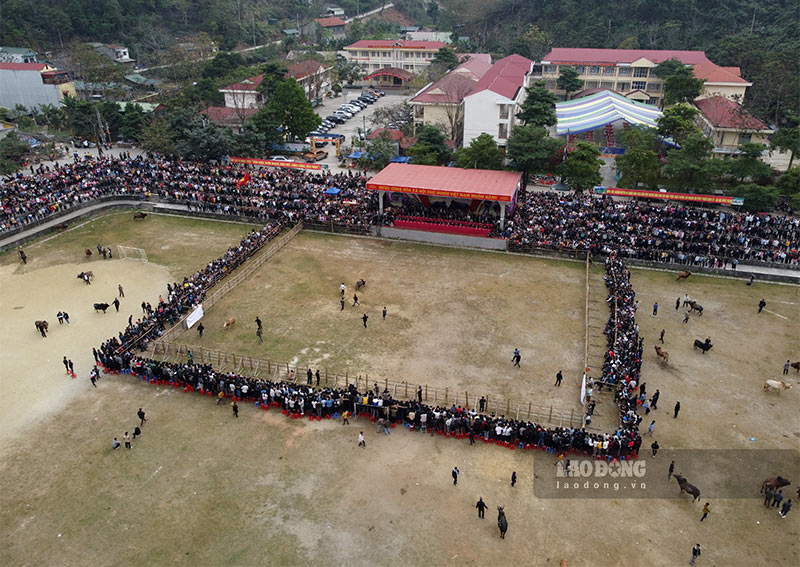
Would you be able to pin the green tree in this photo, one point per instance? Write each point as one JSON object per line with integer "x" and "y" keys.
{"x": 539, "y": 106}
{"x": 787, "y": 139}
{"x": 133, "y": 121}
{"x": 677, "y": 122}
{"x": 748, "y": 165}
{"x": 682, "y": 86}
{"x": 380, "y": 152}
{"x": 756, "y": 197}
{"x": 532, "y": 43}
{"x": 291, "y": 110}
{"x": 690, "y": 167}
{"x": 430, "y": 142}
{"x": 569, "y": 80}
{"x": 159, "y": 137}
{"x": 446, "y": 58}
{"x": 482, "y": 153}
{"x": 667, "y": 68}
{"x": 581, "y": 169}
{"x": 80, "y": 117}
{"x": 639, "y": 163}
{"x": 531, "y": 150}
{"x": 223, "y": 63}
{"x": 274, "y": 74}
{"x": 13, "y": 151}
{"x": 789, "y": 183}
{"x": 112, "y": 117}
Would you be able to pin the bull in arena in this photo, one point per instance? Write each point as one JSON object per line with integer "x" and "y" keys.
{"x": 502, "y": 522}
{"x": 683, "y": 275}
{"x": 42, "y": 327}
{"x": 694, "y": 306}
{"x": 101, "y": 307}
{"x": 796, "y": 365}
{"x": 662, "y": 354}
{"x": 360, "y": 284}
{"x": 229, "y": 323}
{"x": 687, "y": 487}
{"x": 779, "y": 385}
{"x": 139, "y": 216}
{"x": 705, "y": 346}
{"x": 774, "y": 483}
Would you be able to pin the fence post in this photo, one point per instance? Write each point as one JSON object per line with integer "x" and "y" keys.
{"x": 269, "y": 366}
{"x": 426, "y": 392}
{"x": 406, "y": 396}
{"x": 550, "y": 419}
{"x": 518, "y": 414}
{"x": 466, "y": 399}
{"x": 529, "y": 411}
{"x": 434, "y": 395}
{"x": 346, "y": 379}
{"x": 387, "y": 384}
{"x": 571, "y": 413}
{"x": 445, "y": 395}
{"x": 394, "y": 394}
{"x": 508, "y": 406}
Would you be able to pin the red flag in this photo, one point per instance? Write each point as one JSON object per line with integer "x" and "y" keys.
{"x": 244, "y": 179}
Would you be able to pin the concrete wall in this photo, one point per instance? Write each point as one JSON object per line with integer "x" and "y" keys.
{"x": 482, "y": 114}
{"x": 26, "y": 88}
{"x": 441, "y": 238}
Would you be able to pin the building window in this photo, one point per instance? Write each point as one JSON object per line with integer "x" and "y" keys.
{"x": 653, "y": 101}
{"x": 365, "y": 54}
{"x": 624, "y": 71}
{"x": 639, "y": 85}
{"x": 386, "y": 65}
{"x": 550, "y": 85}
{"x": 581, "y": 69}
{"x": 607, "y": 84}
{"x": 609, "y": 71}
{"x": 550, "y": 68}
{"x": 594, "y": 70}
{"x": 622, "y": 87}
{"x": 502, "y": 131}
{"x": 504, "y": 111}
{"x": 408, "y": 67}
{"x": 419, "y": 111}
{"x": 745, "y": 138}
{"x": 591, "y": 84}
{"x": 386, "y": 54}
{"x": 640, "y": 71}
{"x": 654, "y": 87}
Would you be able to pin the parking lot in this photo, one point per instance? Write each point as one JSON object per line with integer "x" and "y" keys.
{"x": 361, "y": 121}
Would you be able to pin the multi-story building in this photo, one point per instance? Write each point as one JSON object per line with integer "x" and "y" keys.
{"x": 492, "y": 105}
{"x": 33, "y": 84}
{"x": 17, "y": 55}
{"x": 116, "y": 53}
{"x": 629, "y": 72}
{"x": 392, "y": 62}
{"x": 442, "y": 102}
{"x": 313, "y": 76}
{"x": 729, "y": 125}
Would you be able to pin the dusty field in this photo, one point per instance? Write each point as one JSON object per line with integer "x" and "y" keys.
{"x": 201, "y": 488}
{"x": 454, "y": 317}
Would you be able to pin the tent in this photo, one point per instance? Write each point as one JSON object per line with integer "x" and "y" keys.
{"x": 597, "y": 110}
{"x": 356, "y": 155}
{"x": 332, "y": 191}
{"x": 401, "y": 159}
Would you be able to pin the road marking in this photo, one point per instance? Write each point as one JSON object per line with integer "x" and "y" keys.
{"x": 776, "y": 314}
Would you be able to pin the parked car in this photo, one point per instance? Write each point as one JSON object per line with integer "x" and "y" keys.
{"x": 280, "y": 158}
{"x": 336, "y": 119}
{"x": 315, "y": 155}
{"x": 351, "y": 107}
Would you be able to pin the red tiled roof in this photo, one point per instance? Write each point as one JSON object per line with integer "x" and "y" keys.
{"x": 401, "y": 74}
{"x": 225, "y": 115}
{"x": 396, "y": 135}
{"x": 583, "y": 55}
{"x": 724, "y": 113}
{"x": 712, "y": 73}
{"x": 459, "y": 82}
{"x": 330, "y": 22}
{"x": 304, "y": 68}
{"x": 22, "y": 66}
{"x": 250, "y": 84}
{"x": 505, "y": 77}
{"x": 398, "y": 43}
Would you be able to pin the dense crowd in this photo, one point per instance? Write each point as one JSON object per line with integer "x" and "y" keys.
{"x": 686, "y": 235}
{"x": 672, "y": 233}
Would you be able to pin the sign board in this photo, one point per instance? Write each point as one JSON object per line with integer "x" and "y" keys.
{"x": 194, "y": 316}
{"x": 737, "y": 201}
{"x": 692, "y": 197}
{"x": 279, "y": 163}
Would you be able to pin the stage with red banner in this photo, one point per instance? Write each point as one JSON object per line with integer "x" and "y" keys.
{"x": 279, "y": 163}
{"x": 464, "y": 228}
{"x": 693, "y": 197}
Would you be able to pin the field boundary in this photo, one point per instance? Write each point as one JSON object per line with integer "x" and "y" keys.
{"x": 224, "y": 361}
{"x": 248, "y": 268}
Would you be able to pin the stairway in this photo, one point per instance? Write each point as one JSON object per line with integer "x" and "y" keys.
{"x": 610, "y": 141}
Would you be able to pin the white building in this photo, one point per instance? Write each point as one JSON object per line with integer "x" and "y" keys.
{"x": 493, "y": 103}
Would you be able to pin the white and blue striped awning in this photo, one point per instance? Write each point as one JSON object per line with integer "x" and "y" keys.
{"x": 597, "y": 110}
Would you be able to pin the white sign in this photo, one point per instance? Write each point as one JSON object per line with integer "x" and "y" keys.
{"x": 195, "y": 316}
{"x": 583, "y": 390}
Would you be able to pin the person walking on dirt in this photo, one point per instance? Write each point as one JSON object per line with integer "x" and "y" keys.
{"x": 345, "y": 417}
{"x": 361, "y": 441}
{"x": 317, "y": 376}
{"x": 661, "y": 336}
{"x": 677, "y": 409}
{"x": 200, "y": 329}
{"x": 516, "y": 357}
{"x": 220, "y": 397}
{"x": 761, "y": 305}
{"x": 786, "y": 368}
{"x": 22, "y": 256}
{"x": 513, "y": 479}
{"x": 259, "y": 334}
{"x": 235, "y": 410}
{"x": 384, "y": 313}
{"x": 677, "y": 304}
{"x": 671, "y": 470}
{"x": 121, "y": 291}
{"x": 695, "y": 553}
{"x": 258, "y": 322}
{"x": 455, "y": 474}
{"x": 66, "y": 317}
{"x": 341, "y": 302}
{"x": 706, "y": 511}
{"x": 66, "y": 365}
{"x": 655, "y": 309}
{"x": 116, "y": 304}
{"x": 364, "y": 318}
{"x": 342, "y": 289}
{"x": 71, "y": 366}
{"x": 127, "y": 439}
{"x": 136, "y": 432}
{"x": 141, "y": 415}
{"x": 559, "y": 378}
{"x": 481, "y": 506}
{"x": 60, "y": 317}
{"x": 355, "y": 300}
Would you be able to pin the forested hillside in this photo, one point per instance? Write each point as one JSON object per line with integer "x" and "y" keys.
{"x": 763, "y": 37}
{"x": 150, "y": 25}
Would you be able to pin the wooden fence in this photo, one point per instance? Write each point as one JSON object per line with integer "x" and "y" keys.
{"x": 247, "y": 270}
{"x": 432, "y": 395}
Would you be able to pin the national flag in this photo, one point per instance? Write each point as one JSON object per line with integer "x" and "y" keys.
{"x": 244, "y": 179}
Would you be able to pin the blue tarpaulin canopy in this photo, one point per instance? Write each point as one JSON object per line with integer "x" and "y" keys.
{"x": 401, "y": 159}
{"x": 355, "y": 155}
{"x": 595, "y": 111}
{"x": 332, "y": 191}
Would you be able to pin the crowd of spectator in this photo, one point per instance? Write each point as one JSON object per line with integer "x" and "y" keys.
{"x": 567, "y": 221}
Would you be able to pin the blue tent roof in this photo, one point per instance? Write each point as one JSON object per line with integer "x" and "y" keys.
{"x": 401, "y": 159}
{"x": 595, "y": 111}
{"x": 332, "y": 191}
{"x": 355, "y": 155}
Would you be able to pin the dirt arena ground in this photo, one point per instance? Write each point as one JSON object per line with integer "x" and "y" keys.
{"x": 202, "y": 488}
{"x": 454, "y": 317}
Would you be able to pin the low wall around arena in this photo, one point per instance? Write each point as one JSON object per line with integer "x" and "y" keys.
{"x": 442, "y": 238}
{"x": 789, "y": 276}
